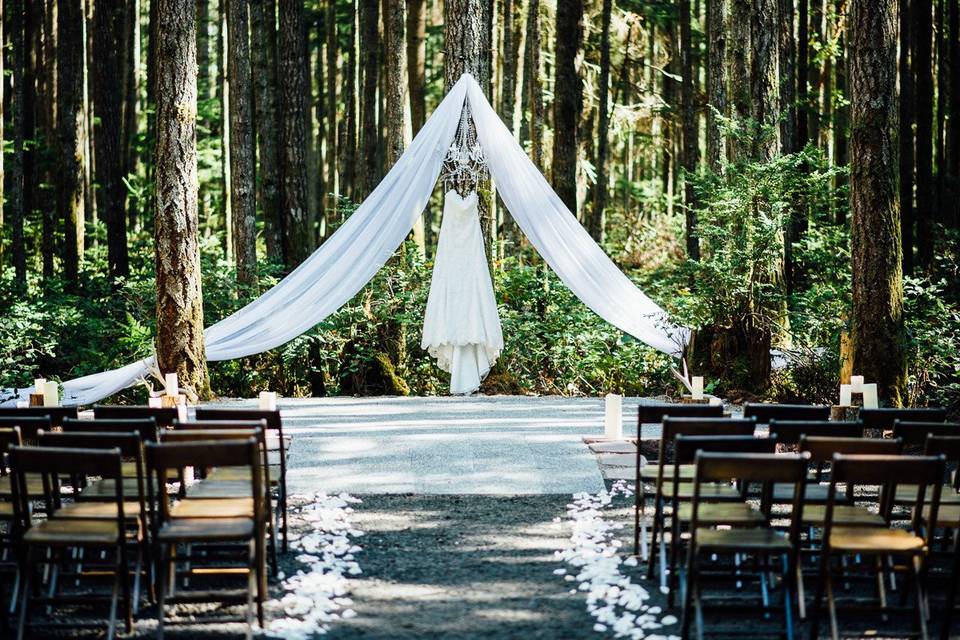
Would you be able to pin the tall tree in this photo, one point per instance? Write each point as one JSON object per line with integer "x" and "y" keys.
{"x": 179, "y": 346}
{"x": 567, "y": 100}
{"x": 877, "y": 332}
{"x": 369, "y": 104}
{"x": 70, "y": 126}
{"x": 108, "y": 18}
{"x": 416, "y": 61}
{"x": 263, "y": 20}
{"x": 906, "y": 134}
{"x": 953, "y": 125}
{"x": 242, "y": 153}
{"x": 348, "y": 137}
{"x": 600, "y": 189}
{"x": 716, "y": 79}
{"x": 532, "y": 123}
{"x": 787, "y": 76}
{"x": 764, "y": 82}
{"x": 691, "y": 133}
{"x": 397, "y": 110}
{"x": 738, "y": 46}
{"x": 922, "y": 58}
{"x": 332, "y": 191}
{"x": 3, "y": 83}
{"x": 508, "y": 96}
{"x": 292, "y": 76}
{"x": 803, "y": 61}
{"x": 17, "y": 213}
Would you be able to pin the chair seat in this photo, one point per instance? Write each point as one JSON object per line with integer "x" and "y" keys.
{"x": 721, "y": 513}
{"x": 213, "y": 508}
{"x": 237, "y": 474}
{"x": 812, "y": 493}
{"x": 874, "y": 540}
{"x": 219, "y": 489}
{"x": 907, "y": 494}
{"x": 762, "y": 539}
{"x": 843, "y": 514}
{"x": 67, "y": 531}
{"x": 707, "y": 491}
{"x": 108, "y": 488}
{"x": 206, "y": 529}
{"x": 6, "y": 510}
{"x": 948, "y": 515}
{"x": 98, "y": 510}
{"x": 649, "y": 472}
{"x": 129, "y": 469}
{"x": 34, "y": 487}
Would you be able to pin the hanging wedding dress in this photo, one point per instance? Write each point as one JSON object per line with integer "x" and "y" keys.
{"x": 461, "y": 327}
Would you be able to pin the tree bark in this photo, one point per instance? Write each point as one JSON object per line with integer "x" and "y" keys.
{"x": 764, "y": 82}
{"x": 922, "y": 32}
{"x": 738, "y": 46}
{"x": 953, "y": 126}
{"x": 603, "y": 131}
{"x": 691, "y": 133}
{"x": 292, "y": 70}
{"x": 263, "y": 18}
{"x": 40, "y": 125}
{"x": 348, "y": 145}
{"x": 567, "y": 101}
{"x": 17, "y": 213}
{"x": 243, "y": 177}
{"x": 787, "y": 77}
{"x": 70, "y": 125}
{"x": 204, "y": 68}
{"x": 108, "y": 17}
{"x": 333, "y": 190}
{"x": 716, "y": 80}
{"x": 3, "y": 84}
{"x": 532, "y": 124}
{"x": 803, "y": 61}
{"x": 906, "y": 106}
{"x": 180, "y": 346}
{"x": 416, "y": 61}
{"x": 369, "y": 132}
{"x": 397, "y": 113}
{"x": 877, "y": 332}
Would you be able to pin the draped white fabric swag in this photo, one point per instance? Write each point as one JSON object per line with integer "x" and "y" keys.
{"x": 340, "y": 268}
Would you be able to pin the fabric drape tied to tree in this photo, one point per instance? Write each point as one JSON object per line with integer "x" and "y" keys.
{"x": 349, "y": 259}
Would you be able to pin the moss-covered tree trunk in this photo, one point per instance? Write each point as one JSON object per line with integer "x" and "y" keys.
{"x": 180, "y": 346}
{"x": 716, "y": 80}
{"x": 690, "y": 131}
{"x": 263, "y": 19}
{"x": 877, "y": 331}
{"x": 70, "y": 128}
{"x": 369, "y": 104}
{"x": 567, "y": 101}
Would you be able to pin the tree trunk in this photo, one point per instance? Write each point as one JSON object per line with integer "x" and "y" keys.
{"x": 877, "y": 332}
{"x": 180, "y": 346}
{"x": 567, "y": 101}
{"x": 292, "y": 66}
{"x": 764, "y": 84}
{"x": 532, "y": 124}
{"x": 204, "y": 68}
{"x": 953, "y": 125}
{"x": 263, "y": 18}
{"x": 131, "y": 99}
{"x": 508, "y": 95}
{"x": 333, "y": 190}
{"x": 40, "y": 125}
{"x": 841, "y": 115}
{"x": 738, "y": 46}
{"x": 716, "y": 80}
{"x": 396, "y": 112}
{"x": 803, "y": 62}
{"x": 369, "y": 133}
{"x": 108, "y": 30}
{"x": 17, "y": 213}
{"x": 787, "y": 77}
{"x": 922, "y": 32}
{"x": 70, "y": 123}
{"x": 3, "y": 84}
{"x": 348, "y": 141}
{"x": 242, "y": 172}
{"x": 416, "y": 61}
{"x": 691, "y": 137}
{"x": 600, "y": 189}
{"x": 814, "y": 73}
{"x": 906, "y": 106}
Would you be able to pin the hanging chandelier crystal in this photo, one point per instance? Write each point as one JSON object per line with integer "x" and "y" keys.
{"x": 464, "y": 167}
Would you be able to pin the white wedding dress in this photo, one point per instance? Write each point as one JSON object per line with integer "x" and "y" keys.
{"x": 461, "y": 327}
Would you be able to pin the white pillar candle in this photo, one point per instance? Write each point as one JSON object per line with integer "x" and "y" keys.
{"x": 870, "y": 400}
{"x": 51, "y": 394}
{"x": 181, "y": 409}
{"x": 23, "y": 404}
{"x": 154, "y": 402}
{"x": 696, "y": 387}
{"x": 38, "y": 385}
{"x": 613, "y": 417}
{"x": 846, "y": 395}
{"x": 856, "y": 384}
{"x": 268, "y": 400}
{"x": 172, "y": 385}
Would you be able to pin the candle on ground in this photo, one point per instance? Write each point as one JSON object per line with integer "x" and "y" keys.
{"x": 856, "y": 384}
{"x": 38, "y": 385}
{"x": 696, "y": 387}
{"x": 846, "y": 395}
{"x": 172, "y": 384}
{"x": 870, "y": 399}
{"x": 268, "y": 400}
{"x": 51, "y": 394}
{"x": 613, "y": 417}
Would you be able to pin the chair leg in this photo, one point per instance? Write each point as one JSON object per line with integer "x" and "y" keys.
{"x": 260, "y": 570}
{"x": 832, "y": 607}
{"x": 818, "y": 597}
{"x": 788, "y": 578}
{"x": 636, "y": 516}
{"x": 283, "y": 506}
{"x": 948, "y": 606}
{"x": 162, "y": 574}
{"x": 123, "y": 573}
{"x": 654, "y": 531}
{"x": 253, "y": 583}
{"x": 675, "y": 539}
{"x": 918, "y": 590}
{"x": 119, "y": 568}
{"x": 27, "y": 586}
{"x": 692, "y": 588}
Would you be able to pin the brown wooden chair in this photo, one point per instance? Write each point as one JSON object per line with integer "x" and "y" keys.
{"x": 725, "y": 506}
{"x": 164, "y": 416}
{"x": 948, "y": 517}
{"x": 173, "y": 531}
{"x": 49, "y": 541}
{"x": 845, "y": 540}
{"x": 56, "y": 415}
{"x": 664, "y": 469}
{"x": 714, "y": 533}
{"x": 789, "y": 432}
{"x": 100, "y": 505}
{"x": 882, "y": 419}
{"x": 655, "y": 412}
{"x": 29, "y": 426}
{"x": 764, "y": 412}
{"x": 9, "y": 437}
{"x": 277, "y": 448}
{"x": 145, "y": 428}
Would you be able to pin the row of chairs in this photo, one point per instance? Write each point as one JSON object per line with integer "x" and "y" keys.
{"x": 711, "y": 515}
{"x": 115, "y": 491}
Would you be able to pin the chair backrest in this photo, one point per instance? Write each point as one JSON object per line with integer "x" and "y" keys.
{"x": 209, "y": 435}
{"x": 146, "y": 428}
{"x": 673, "y": 427}
{"x": 790, "y": 431}
{"x": 764, "y": 412}
{"x": 949, "y": 448}
{"x": 686, "y": 447}
{"x": 164, "y": 416}
{"x": 655, "y": 412}
{"x": 274, "y": 422}
{"x": 55, "y": 414}
{"x": 9, "y": 437}
{"x": 219, "y": 425}
{"x": 29, "y": 425}
{"x": 822, "y": 449}
{"x": 916, "y": 432}
{"x": 884, "y": 418}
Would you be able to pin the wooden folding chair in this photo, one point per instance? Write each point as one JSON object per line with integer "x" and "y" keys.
{"x": 715, "y": 533}
{"x": 163, "y": 416}
{"x": 655, "y": 412}
{"x": 673, "y": 427}
{"x": 845, "y": 540}
{"x": 9, "y": 437}
{"x": 948, "y": 517}
{"x": 720, "y": 505}
{"x": 28, "y": 427}
{"x": 49, "y": 541}
{"x": 765, "y": 413}
{"x": 175, "y": 530}
{"x": 99, "y": 505}
{"x": 277, "y": 447}
{"x": 789, "y": 433}
{"x": 56, "y": 415}
{"x": 881, "y": 420}
{"x": 145, "y": 428}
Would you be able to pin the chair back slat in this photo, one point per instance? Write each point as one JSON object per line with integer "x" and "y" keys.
{"x": 146, "y": 428}
{"x": 686, "y": 447}
{"x": 129, "y": 443}
{"x": 655, "y": 412}
{"x": 823, "y": 449}
{"x": 206, "y": 435}
{"x": 916, "y": 432}
{"x": 714, "y": 466}
{"x": 66, "y": 461}
{"x": 673, "y": 427}
{"x": 790, "y": 431}
{"x": 860, "y": 469}
{"x": 764, "y": 412}
{"x": 219, "y": 425}
{"x": 274, "y": 422}
{"x": 164, "y": 416}
{"x": 9, "y": 437}
{"x": 55, "y": 414}
{"x": 29, "y": 425}
{"x": 884, "y": 418}
{"x": 946, "y": 446}
{"x": 206, "y": 453}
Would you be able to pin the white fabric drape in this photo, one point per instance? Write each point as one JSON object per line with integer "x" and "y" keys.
{"x": 341, "y": 267}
